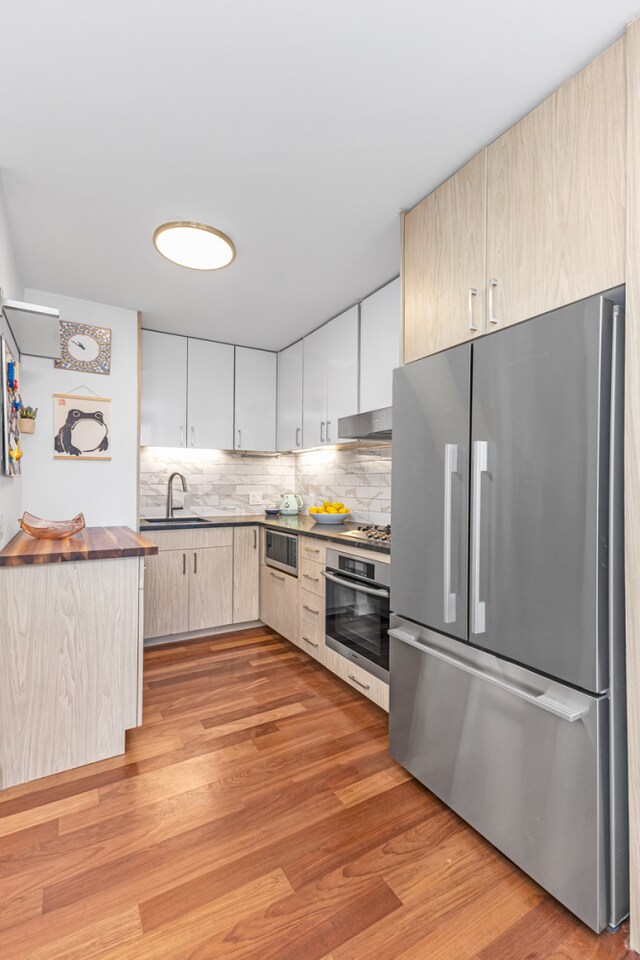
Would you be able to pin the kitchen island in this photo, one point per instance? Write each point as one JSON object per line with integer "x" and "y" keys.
{"x": 70, "y": 649}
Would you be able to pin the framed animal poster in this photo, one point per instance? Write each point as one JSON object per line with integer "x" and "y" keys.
{"x": 82, "y": 427}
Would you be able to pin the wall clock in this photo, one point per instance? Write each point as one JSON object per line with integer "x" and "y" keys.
{"x": 84, "y": 348}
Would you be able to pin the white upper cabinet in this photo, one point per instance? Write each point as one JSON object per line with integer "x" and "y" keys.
{"x": 163, "y": 408}
{"x": 289, "y": 432}
{"x": 342, "y": 370}
{"x": 379, "y": 345}
{"x": 314, "y": 405}
{"x": 255, "y": 427}
{"x": 210, "y": 395}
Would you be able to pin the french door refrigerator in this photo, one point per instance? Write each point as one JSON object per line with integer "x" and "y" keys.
{"x": 507, "y": 596}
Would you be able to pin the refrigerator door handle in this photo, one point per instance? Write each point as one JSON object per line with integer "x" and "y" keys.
{"x": 478, "y": 606}
{"x": 542, "y": 700}
{"x": 450, "y": 467}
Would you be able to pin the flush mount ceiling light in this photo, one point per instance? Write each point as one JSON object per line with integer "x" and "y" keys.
{"x": 194, "y": 245}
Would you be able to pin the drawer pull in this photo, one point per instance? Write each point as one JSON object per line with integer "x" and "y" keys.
{"x": 307, "y": 577}
{"x": 277, "y": 576}
{"x": 310, "y": 609}
{"x": 309, "y": 640}
{"x": 312, "y": 550}
{"x": 365, "y": 686}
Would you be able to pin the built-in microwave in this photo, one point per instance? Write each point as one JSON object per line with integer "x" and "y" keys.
{"x": 281, "y": 551}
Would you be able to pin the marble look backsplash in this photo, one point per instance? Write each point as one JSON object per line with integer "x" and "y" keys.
{"x": 219, "y": 483}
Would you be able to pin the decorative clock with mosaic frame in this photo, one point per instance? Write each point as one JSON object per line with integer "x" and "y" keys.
{"x": 84, "y": 348}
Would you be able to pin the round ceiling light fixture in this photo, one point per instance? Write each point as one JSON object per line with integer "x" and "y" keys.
{"x": 194, "y": 245}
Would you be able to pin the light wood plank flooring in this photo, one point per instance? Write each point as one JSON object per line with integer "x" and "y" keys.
{"x": 257, "y": 814}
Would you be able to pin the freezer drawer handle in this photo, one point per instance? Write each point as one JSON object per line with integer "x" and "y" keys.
{"x": 478, "y": 607}
{"x": 450, "y": 467}
{"x": 542, "y": 700}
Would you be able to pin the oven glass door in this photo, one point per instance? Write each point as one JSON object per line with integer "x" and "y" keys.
{"x": 357, "y": 616}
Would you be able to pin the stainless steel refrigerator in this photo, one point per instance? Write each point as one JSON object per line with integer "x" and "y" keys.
{"x": 507, "y": 595}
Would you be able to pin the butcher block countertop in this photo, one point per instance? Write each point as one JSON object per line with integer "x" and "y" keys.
{"x": 92, "y": 543}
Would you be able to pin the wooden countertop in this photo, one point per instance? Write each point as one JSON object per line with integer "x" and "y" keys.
{"x": 92, "y": 543}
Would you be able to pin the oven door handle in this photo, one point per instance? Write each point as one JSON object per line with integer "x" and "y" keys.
{"x": 355, "y": 586}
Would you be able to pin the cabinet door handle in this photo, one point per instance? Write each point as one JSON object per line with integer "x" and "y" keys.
{"x": 276, "y": 575}
{"x": 184, "y": 564}
{"x": 492, "y": 285}
{"x": 239, "y": 439}
{"x": 255, "y": 539}
{"x": 307, "y": 577}
{"x": 195, "y": 563}
{"x": 310, "y": 609}
{"x": 365, "y": 686}
{"x": 192, "y": 435}
{"x": 328, "y": 425}
{"x": 309, "y": 640}
{"x": 181, "y": 436}
{"x": 473, "y": 292}
{"x": 322, "y": 426}
{"x": 311, "y": 550}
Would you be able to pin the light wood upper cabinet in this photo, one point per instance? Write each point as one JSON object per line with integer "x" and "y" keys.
{"x": 246, "y": 574}
{"x": 256, "y": 372}
{"x": 556, "y": 196}
{"x": 443, "y": 264}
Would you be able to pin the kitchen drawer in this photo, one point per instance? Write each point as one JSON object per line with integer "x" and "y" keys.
{"x": 190, "y": 539}
{"x": 311, "y": 549}
{"x": 359, "y": 679}
{"x": 311, "y": 576}
{"x": 311, "y": 640}
{"x": 312, "y": 608}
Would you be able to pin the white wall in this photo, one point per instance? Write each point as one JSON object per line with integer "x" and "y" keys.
{"x": 12, "y": 289}
{"x": 104, "y": 491}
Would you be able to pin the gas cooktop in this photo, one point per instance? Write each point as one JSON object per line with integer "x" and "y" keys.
{"x": 371, "y": 532}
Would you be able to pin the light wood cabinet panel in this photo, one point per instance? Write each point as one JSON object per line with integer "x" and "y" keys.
{"x": 311, "y": 576}
{"x": 246, "y": 574}
{"x": 166, "y": 594}
{"x": 359, "y": 679}
{"x": 312, "y": 608}
{"x": 190, "y": 539}
{"x": 443, "y": 263}
{"x": 210, "y": 587}
{"x": 556, "y": 196}
{"x": 309, "y": 548}
{"x": 68, "y": 665}
{"x": 279, "y": 602}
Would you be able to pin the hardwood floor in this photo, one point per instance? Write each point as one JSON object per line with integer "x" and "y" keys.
{"x": 257, "y": 814}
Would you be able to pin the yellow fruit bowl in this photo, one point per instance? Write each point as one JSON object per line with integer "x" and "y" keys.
{"x": 330, "y": 512}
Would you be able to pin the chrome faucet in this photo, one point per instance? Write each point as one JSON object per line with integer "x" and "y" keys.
{"x": 170, "y": 506}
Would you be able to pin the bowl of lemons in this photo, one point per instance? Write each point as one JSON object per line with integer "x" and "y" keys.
{"x": 330, "y": 512}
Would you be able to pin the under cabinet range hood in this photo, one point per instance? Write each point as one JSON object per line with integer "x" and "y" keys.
{"x": 372, "y": 425}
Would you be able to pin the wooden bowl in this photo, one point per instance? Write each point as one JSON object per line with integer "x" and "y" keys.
{"x": 51, "y": 529}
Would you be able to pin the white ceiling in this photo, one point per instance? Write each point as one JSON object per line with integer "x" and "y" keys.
{"x": 300, "y": 129}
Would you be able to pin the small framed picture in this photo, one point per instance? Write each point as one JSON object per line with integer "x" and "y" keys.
{"x": 82, "y": 427}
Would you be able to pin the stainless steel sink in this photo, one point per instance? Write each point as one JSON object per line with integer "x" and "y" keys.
{"x": 166, "y": 520}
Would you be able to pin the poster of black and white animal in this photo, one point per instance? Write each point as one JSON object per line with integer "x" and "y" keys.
{"x": 82, "y": 427}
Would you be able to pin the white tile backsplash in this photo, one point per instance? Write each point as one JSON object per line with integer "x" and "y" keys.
{"x": 219, "y": 482}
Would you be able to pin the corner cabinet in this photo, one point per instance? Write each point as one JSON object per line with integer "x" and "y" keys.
{"x": 289, "y": 427}
{"x": 330, "y": 378}
{"x": 545, "y": 202}
{"x": 255, "y": 399}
